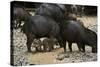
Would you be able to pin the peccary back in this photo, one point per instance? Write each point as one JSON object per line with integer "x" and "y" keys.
{"x": 53, "y": 11}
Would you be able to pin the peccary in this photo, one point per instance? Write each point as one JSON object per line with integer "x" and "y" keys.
{"x": 40, "y": 26}
{"x": 74, "y": 32}
{"x": 19, "y": 14}
{"x": 48, "y": 44}
{"x": 54, "y": 11}
{"x": 37, "y": 44}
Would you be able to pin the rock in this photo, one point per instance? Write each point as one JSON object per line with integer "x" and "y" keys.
{"x": 67, "y": 56}
{"x": 60, "y": 57}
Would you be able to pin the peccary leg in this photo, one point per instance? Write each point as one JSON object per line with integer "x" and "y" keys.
{"x": 29, "y": 42}
{"x": 70, "y": 46}
{"x": 45, "y": 46}
{"x": 79, "y": 46}
{"x": 60, "y": 42}
{"x": 39, "y": 47}
{"x": 36, "y": 48}
{"x": 50, "y": 48}
{"x": 64, "y": 46}
{"x": 83, "y": 47}
{"x": 52, "y": 45}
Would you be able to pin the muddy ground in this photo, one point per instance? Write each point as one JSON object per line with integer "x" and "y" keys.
{"x": 22, "y": 57}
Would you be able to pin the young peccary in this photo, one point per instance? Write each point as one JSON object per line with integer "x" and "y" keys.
{"x": 74, "y": 32}
{"x": 48, "y": 44}
{"x": 37, "y": 44}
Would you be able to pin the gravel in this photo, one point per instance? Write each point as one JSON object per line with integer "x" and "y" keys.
{"x": 19, "y": 41}
{"x": 75, "y": 57}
